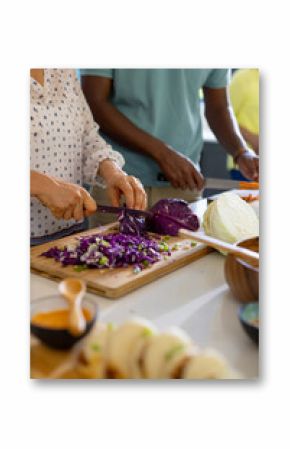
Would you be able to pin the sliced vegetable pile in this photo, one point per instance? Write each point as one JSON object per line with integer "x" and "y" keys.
{"x": 111, "y": 251}
{"x": 132, "y": 245}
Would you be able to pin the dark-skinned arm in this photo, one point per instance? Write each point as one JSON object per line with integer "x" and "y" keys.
{"x": 221, "y": 120}
{"x": 178, "y": 169}
{"x": 252, "y": 139}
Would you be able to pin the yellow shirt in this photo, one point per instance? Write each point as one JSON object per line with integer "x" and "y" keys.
{"x": 244, "y": 94}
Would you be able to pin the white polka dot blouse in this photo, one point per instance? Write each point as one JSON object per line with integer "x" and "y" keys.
{"x": 64, "y": 141}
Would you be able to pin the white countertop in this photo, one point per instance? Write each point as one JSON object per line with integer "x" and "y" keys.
{"x": 194, "y": 297}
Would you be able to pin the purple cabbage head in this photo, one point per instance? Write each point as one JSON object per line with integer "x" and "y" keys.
{"x": 171, "y": 214}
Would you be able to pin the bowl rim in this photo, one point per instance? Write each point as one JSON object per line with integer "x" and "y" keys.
{"x": 243, "y": 262}
{"x": 61, "y": 329}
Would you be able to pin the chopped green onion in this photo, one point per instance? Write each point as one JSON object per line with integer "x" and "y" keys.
{"x": 193, "y": 244}
{"x": 105, "y": 243}
{"x": 172, "y": 352}
{"x": 147, "y": 332}
{"x": 93, "y": 246}
{"x": 166, "y": 238}
{"x": 163, "y": 247}
{"x": 103, "y": 260}
{"x": 96, "y": 347}
{"x": 110, "y": 326}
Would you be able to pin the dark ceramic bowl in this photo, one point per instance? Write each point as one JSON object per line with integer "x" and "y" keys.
{"x": 248, "y": 314}
{"x": 59, "y": 338}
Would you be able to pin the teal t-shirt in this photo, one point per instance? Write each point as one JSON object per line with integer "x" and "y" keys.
{"x": 166, "y": 104}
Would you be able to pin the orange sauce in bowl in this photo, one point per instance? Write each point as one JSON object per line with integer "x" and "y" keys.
{"x": 56, "y": 319}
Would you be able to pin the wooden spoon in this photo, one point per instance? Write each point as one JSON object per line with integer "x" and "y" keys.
{"x": 243, "y": 253}
{"x": 73, "y": 291}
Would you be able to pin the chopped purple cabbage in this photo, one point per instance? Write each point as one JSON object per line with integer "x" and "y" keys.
{"x": 132, "y": 224}
{"x": 132, "y": 245}
{"x": 113, "y": 250}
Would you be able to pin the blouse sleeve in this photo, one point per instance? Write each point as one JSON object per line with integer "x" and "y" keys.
{"x": 95, "y": 148}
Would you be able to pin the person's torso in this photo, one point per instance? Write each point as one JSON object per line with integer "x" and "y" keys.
{"x": 244, "y": 93}
{"x": 165, "y": 103}
{"x": 245, "y": 98}
{"x": 56, "y": 130}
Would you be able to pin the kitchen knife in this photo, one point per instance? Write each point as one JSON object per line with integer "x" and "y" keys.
{"x": 212, "y": 183}
{"x": 221, "y": 184}
{"x": 117, "y": 210}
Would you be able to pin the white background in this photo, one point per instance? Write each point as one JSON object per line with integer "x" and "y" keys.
{"x": 144, "y": 34}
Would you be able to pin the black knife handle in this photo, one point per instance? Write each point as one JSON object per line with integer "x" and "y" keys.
{"x": 161, "y": 177}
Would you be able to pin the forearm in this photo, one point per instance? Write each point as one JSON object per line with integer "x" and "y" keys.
{"x": 98, "y": 92}
{"x": 39, "y": 183}
{"x": 251, "y": 138}
{"x": 224, "y": 125}
{"x": 221, "y": 120}
{"x": 121, "y": 129}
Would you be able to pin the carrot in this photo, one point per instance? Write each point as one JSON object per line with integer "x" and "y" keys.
{"x": 250, "y": 198}
{"x": 244, "y": 185}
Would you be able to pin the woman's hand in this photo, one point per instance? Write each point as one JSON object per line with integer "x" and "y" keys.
{"x": 248, "y": 163}
{"x": 119, "y": 183}
{"x": 65, "y": 200}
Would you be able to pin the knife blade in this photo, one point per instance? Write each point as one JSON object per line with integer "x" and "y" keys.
{"x": 117, "y": 210}
{"x": 211, "y": 183}
{"x": 221, "y": 184}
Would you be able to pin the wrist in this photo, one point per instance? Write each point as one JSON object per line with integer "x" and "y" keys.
{"x": 161, "y": 151}
{"x": 240, "y": 152}
{"x": 108, "y": 169}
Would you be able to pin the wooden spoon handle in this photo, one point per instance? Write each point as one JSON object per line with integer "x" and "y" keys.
{"x": 77, "y": 321}
{"x": 246, "y": 254}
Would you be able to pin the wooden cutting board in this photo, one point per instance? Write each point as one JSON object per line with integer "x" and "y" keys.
{"x": 115, "y": 282}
